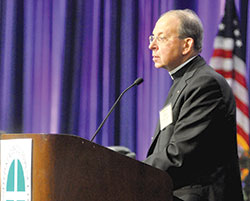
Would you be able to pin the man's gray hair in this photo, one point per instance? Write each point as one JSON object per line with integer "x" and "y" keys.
{"x": 190, "y": 26}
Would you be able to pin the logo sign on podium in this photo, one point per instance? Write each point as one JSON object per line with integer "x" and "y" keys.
{"x": 16, "y": 155}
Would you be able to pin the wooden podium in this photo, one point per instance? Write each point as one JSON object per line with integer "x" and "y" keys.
{"x": 70, "y": 168}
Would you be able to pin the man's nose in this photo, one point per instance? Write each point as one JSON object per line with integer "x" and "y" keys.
{"x": 152, "y": 45}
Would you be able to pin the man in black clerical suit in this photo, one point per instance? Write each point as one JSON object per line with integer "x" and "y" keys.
{"x": 195, "y": 140}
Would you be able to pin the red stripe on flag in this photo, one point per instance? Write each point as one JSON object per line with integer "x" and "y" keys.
{"x": 225, "y": 74}
{"x": 243, "y": 134}
{"x": 242, "y": 107}
{"x": 233, "y": 74}
{"x": 223, "y": 53}
{"x": 241, "y": 79}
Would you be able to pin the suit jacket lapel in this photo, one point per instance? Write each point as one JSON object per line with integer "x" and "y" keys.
{"x": 193, "y": 66}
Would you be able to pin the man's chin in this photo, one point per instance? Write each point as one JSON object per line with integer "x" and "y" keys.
{"x": 158, "y": 65}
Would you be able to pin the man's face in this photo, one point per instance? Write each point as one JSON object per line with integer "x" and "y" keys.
{"x": 167, "y": 47}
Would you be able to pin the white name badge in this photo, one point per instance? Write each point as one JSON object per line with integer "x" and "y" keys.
{"x": 166, "y": 116}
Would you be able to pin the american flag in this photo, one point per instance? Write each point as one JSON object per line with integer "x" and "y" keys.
{"x": 228, "y": 60}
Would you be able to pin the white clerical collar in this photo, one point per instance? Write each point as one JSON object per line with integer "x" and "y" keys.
{"x": 180, "y": 66}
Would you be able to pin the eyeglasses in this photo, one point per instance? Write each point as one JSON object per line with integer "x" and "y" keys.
{"x": 157, "y": 38}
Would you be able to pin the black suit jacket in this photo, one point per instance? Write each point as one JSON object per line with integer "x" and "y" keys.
{"x": 199, "y": 149}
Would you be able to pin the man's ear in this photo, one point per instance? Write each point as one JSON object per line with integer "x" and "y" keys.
{"x": 188, "y": 45}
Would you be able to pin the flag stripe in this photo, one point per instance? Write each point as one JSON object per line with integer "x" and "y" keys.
{"x": 239, "y": 90}
{"x": 227, "y": 64}
{"x": 223, "y": 53}
{"x": 242, "y": 123}
{"x": 240, "y": 65}
{"x": 222, "y": 63}
{"x": 243, "y": 135}
{"x": 223, "y": 43}
{"x": 233, "y": 74}
{"x": 243, "y": 107}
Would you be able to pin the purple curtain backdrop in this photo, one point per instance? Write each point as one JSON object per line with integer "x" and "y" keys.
{"x": 63, "y": 64}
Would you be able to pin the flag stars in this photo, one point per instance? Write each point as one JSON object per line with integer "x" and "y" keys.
{"x": 237, "y": 32}
{"x": 238, "y": 43}
{"x": 221, "y": 26}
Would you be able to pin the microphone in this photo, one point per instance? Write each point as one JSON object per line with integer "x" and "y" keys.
{"x": 136, "y": 82}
